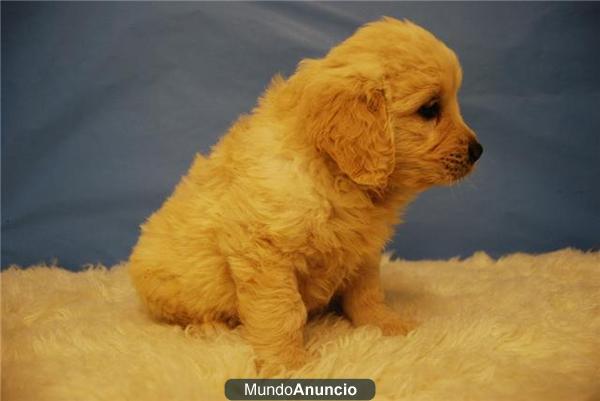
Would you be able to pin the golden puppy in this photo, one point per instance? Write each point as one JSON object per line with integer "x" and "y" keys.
{"x": 296, "y": 202}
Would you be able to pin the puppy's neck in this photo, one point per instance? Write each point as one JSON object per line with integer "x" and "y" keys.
{"x": 393, "y": 197}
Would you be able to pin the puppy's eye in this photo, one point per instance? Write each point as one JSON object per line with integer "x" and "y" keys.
{"x": 430, "y": 110}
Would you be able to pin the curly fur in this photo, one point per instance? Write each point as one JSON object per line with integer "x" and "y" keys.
{"x": 295, "y": 203}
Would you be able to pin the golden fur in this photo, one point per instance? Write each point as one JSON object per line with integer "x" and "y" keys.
{"x": 296, "y": 202}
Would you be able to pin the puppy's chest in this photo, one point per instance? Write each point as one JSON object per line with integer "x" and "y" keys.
{"x": 334, "y": 255}
{"x": 320, "y": 278}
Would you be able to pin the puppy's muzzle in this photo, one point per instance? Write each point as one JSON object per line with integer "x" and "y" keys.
{"x": 475, "y": 151}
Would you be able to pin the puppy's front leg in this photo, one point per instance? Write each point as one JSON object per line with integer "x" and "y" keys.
{"x": 271, "y": 311}
{"x": 363, "y": 302}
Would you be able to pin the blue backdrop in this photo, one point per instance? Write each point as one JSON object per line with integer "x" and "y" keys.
{"x": 105, "y": 104}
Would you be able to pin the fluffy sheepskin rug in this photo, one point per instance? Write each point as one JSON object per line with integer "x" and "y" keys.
{"x": 523, "y": 327}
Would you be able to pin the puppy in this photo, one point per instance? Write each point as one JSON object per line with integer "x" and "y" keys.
{"x": 295, "y": 203}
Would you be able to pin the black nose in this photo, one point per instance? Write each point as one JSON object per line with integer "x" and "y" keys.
{"x": 475, "y": 151}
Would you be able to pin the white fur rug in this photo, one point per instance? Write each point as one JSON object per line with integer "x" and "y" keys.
{"x": 520, "y": 328}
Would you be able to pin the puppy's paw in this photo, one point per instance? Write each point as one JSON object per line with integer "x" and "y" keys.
{"x": 278, "y": 365}
{"x": 386, "y": 319}
{"x": 395, "y": 326}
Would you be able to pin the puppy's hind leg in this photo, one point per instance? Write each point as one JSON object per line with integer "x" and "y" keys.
{"x": 271, "y": 311}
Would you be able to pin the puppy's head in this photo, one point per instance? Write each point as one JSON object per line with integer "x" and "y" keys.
{"x": 383, "y": 106}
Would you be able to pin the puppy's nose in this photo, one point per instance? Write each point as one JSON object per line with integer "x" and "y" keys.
{"x": 475, "y": 151}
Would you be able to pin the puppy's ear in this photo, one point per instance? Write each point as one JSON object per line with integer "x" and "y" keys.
{"x": 347, "y": 119}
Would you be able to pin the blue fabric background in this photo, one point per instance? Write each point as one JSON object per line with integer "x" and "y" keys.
{"x": 105, "y": 104}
